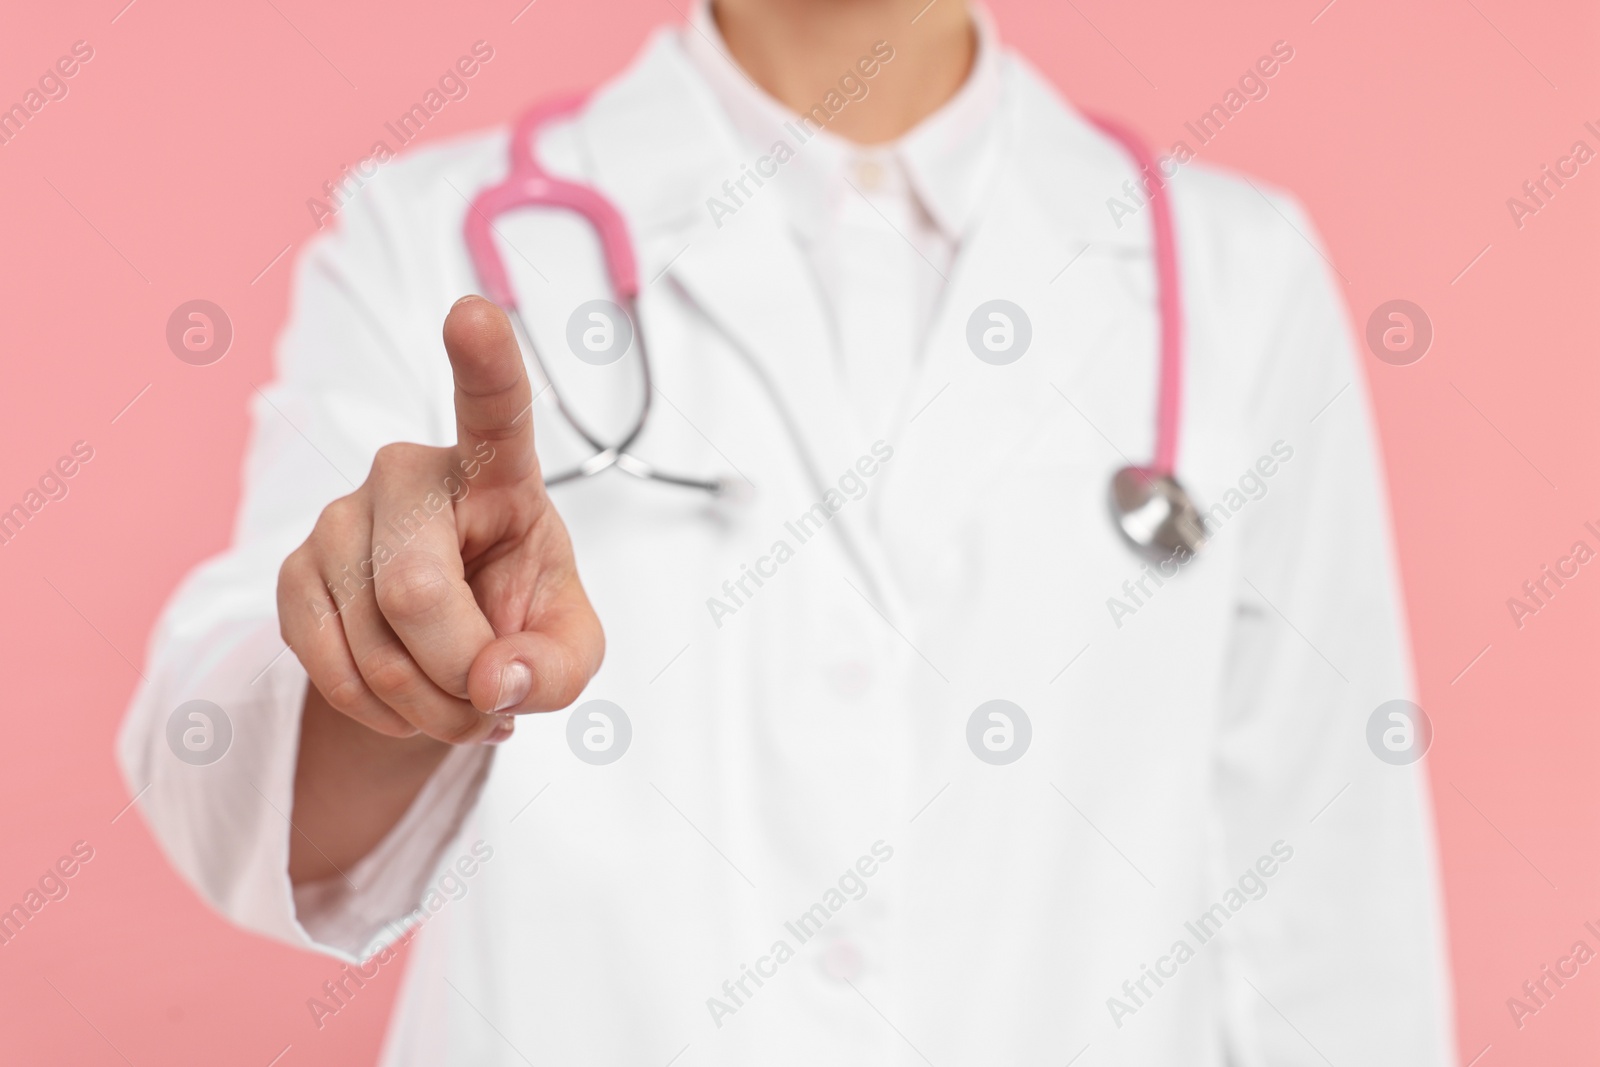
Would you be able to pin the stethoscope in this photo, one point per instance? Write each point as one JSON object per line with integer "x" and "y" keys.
{"x": 1148, "y": 504}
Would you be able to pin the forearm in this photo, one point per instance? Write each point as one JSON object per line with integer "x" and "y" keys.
{"x": 351, "y": 787}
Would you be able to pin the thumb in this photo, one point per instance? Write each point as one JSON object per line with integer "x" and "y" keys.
{"x": 494, "y": 401}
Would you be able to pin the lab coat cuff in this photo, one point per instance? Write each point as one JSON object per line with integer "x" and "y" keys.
{"x": 223, "y": 817}
{"x": 377, "y": 901}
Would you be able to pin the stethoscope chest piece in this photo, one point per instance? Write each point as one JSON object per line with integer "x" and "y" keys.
{"x": 1155, "y": 514}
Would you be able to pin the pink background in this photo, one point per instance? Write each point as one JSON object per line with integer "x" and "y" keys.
{"x": 181, "y": 161}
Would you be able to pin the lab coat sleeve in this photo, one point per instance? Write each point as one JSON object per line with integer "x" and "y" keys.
{"x": 349, "y": 381}
{"x": 1343, "y": 959}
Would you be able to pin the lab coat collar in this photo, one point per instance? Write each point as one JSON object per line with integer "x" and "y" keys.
{"x": 946, "y": 158}
{"x": 661, "y": 146}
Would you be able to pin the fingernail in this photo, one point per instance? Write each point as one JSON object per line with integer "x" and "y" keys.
{"x": 505, "y": 725}
{"x": 515, "y": 681}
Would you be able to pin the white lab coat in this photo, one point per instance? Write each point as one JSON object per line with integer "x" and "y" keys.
{"x": 1172, "y": 746}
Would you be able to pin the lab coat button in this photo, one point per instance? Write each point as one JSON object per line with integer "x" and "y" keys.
{"x": 842, "y": 960}
{"x": 869, "y": 175}
{"x": 850, "y": 680}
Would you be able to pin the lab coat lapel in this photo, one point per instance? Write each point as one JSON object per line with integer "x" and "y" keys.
{"x": 752, "y": 281}
{"x": 1046, "y": 243}
{"x": 661, "y": 148}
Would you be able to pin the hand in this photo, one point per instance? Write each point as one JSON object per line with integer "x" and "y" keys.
{"x": 442, "y": 596}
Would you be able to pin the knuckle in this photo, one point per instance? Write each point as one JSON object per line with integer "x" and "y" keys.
{"x": 293, "y": 626}
{"x": 346, "y": 694}
{"x": 337, "y": 523}
{"x": 397, "y": 455}
{"x": 290, "y": 582}
{"x": 412, "y": 585}
{"x": 386, "y": 457}
{"x": 303, "y": 602}
{"x": 298, "y": 572}
{"x": 292, "y": 567}
{"x": 339, "y": 511}
{"x": 390, "y": 674}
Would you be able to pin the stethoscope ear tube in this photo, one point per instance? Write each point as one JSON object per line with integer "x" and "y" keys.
{"x": 615, "y": 454}
{"x": 530, "y": 185}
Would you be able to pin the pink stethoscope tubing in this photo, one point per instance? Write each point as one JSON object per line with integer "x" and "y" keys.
{"x": 1147, "y": 502}
{"x": 1149, "y": 506}
{"x": 530, "y": 185}
{"x": 1169, "y": 303}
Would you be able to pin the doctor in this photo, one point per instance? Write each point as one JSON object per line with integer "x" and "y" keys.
{"x": 893, "y": 752}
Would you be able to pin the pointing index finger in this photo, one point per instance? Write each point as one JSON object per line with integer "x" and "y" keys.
{"x": 494, "y": 399}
